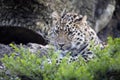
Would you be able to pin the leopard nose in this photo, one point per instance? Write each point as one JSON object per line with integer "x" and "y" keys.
{"x": 61, "y": 45}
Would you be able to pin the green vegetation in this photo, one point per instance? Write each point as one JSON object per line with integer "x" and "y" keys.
{"x": 106, "y": 65}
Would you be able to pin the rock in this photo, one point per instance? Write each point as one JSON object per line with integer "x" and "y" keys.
{"x": 104, "y": 13}
{"x": 15, "y": 13}
{"x": 34, "y": 48}
{"x": 5, "y": 49}
{"x": 112, "y": 29}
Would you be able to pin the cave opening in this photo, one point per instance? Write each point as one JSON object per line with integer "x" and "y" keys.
{"x": 18, "y": 35}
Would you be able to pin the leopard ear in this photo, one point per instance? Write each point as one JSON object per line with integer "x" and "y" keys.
{"x": 63, "y": 12}
{"x": 55, "y": 15}
{"x": 84, "y": 19}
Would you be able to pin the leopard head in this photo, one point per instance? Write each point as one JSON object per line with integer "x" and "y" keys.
{"x": 66, "y": 30}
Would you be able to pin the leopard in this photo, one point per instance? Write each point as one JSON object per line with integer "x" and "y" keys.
{"x": 72, "y": 33}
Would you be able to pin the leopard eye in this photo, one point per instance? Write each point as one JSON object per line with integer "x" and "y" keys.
{"x": 56, "y": 31}
{"x": 70, "y": 37}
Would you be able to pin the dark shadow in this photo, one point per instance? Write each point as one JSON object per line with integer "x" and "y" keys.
{"x": 19, "y": 35}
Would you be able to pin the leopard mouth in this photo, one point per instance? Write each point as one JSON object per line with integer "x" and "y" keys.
{"x": 64, "y": 49}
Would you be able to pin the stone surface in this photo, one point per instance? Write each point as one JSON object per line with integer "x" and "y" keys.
{"x": 5, "y": 49}
{"x": 103, "y": 13}
{"x": 22, "y": 13}
{"x": 113, "y": 27}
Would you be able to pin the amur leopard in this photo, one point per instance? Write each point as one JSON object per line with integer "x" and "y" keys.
{"x": 71, "y": 33}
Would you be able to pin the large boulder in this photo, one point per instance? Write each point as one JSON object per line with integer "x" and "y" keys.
{"x": 113, "y": 27}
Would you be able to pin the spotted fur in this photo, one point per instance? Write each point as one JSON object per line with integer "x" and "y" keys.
{"x": 71, "y": 33}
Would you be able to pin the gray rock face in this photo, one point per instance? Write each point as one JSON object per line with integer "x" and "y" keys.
{"x": 5, "y": 49}
{"x": 104, "y": 13}
{"x": 113, "y": 27}
{"x": 22, "y": 13}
